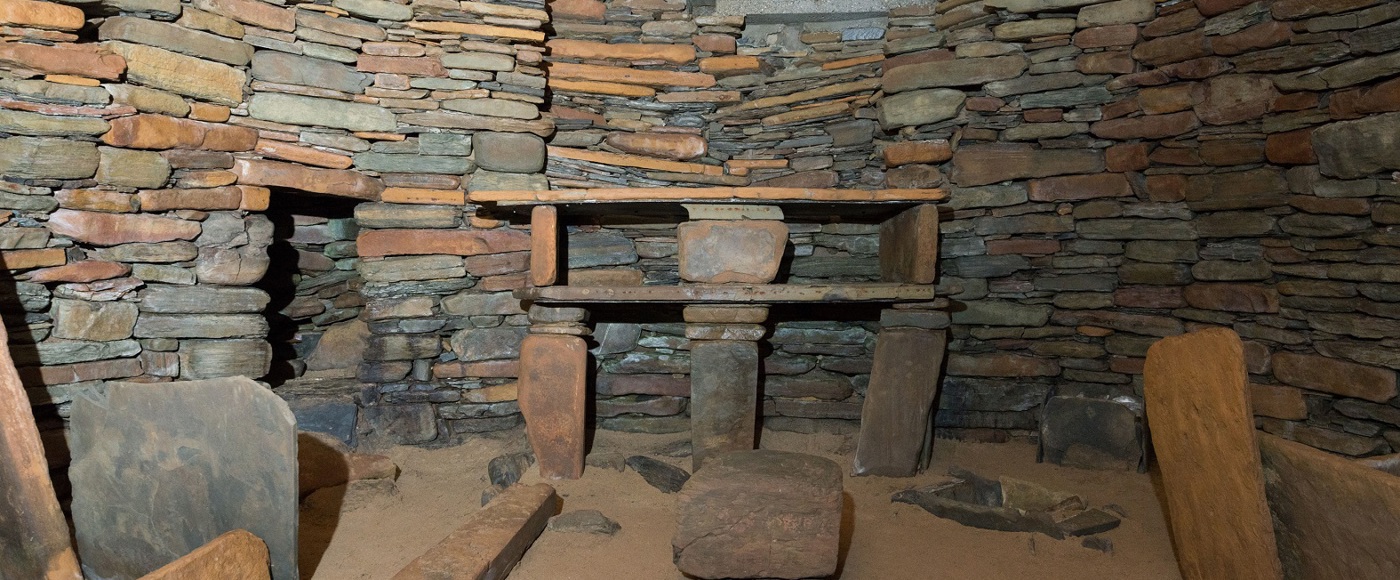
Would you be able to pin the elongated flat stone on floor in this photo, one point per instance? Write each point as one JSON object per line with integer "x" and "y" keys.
{"x": 491, "y": 541}
{"x": 1334, "y": 518}
{"x": 34, "y": 534}
{"x": 1202, "y": 429}
{"x": 760, "y": 514}
{"x": 237, "y": 555}
{"x": 161, "y": 469}
{"x": 894, "y": 421}
{"x": 553, "y": 394}
{"x": 723, "y": 397}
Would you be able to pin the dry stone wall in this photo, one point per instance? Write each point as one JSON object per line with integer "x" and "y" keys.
{"x": 1119, "y": 171}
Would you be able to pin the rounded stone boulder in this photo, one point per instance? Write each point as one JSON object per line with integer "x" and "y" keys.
{"x": 760, "y": 514}
{"x": 509, "y": 152}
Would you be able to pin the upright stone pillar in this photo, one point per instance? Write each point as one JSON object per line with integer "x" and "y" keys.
{"x": 895, "y": 426}
{"x": 723, "y": 378}
{"x": 553, "y": 389}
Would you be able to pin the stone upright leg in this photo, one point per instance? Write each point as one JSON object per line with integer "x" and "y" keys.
{"x": 723, "y": 397}
{"x": 553, "y": 395}
{"x": 34, "y": 534}
{"x": 899, "y": 400}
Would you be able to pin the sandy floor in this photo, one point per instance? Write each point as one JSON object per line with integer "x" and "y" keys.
{"x": 370, "y": 533}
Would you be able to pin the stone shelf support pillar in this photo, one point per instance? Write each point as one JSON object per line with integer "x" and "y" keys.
{"x": 895, "y": 422}
{"x": 723, "y": 377}
{"x": 553, "y": 389}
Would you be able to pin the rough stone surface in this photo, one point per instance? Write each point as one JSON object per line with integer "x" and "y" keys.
{"x": 714, "y": 251}
{"x": 220, "y": 476}
{"x": 491, "y": 541}
{"x": 1213, "y": 479}
{"x": 760, "y": 514}
{"x": 895, "y": 416}
{"x": 723, "y": 391}
{"x": 509, "y": 152}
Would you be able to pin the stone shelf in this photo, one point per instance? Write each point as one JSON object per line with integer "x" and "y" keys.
{"x": 729, "y": 293}
{"x": 728, "y": 195}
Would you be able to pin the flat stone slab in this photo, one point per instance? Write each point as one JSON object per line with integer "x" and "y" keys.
{"x": 720, "y": 251}
{"x": 161, "y": 469}
{"x": 760, "y": 514}
{"x": 236, "y": 555}
{"x": 491, "y": 541}
{"x": 723, "y": 397}
{"x": 33, "y": 534}
{"x": 731, "y": 293}
{"x": 1334, "y": 518}
{"x": 706, "y": 194}
{"x": 894, "y": 420}
{"x": 1202, "y": 429}
{"x": 553, "y": 397}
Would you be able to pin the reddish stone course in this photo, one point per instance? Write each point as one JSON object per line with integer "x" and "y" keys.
{"x": 452, "y": 242}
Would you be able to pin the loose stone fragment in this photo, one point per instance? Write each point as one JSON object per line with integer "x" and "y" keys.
{"x": 491, "y": 541}
{"x": 661, "y": 475}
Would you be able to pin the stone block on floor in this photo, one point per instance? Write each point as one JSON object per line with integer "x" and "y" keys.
{"x": 1093, "y": 433}
{"x": 760, "y": 514}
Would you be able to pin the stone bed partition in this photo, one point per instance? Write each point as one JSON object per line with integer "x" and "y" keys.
{"x": 1117, "y": 172}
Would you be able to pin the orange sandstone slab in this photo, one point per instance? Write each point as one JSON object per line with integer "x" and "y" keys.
{"x": 84, "y": 271}
{"x": 730, "y": 65}
{"x": 1197, "y": 400}
{"x": 235, "y": 555}
{"x": 341, "y": 182}
{"x": 452, "y": 242}
{"x": 908, "y": 152}
{"x": 30, "y": 13}
{"x": 161, "y": 132}
{"x": 586, "y": 49}
{"x": 300, "y": 154}
{"x": 600, "y": 88}
{"x": 553, "y": 395}
{"x": 676, "y": 146}
{"x": 485, "y": 30}
{"x": 253, "y": 12}
{"x": 491, "y": 541}
{"x": 589, "y": 10}
{"x": 227, "y": 197}
{"x": 27, "y": 259}
{"x": 84, "y": 60}
{"x": 651, "y": 78}
{"x": 107, "y": 229}
{"x": 609, "y": 158}
{"x": 422, "y": 195}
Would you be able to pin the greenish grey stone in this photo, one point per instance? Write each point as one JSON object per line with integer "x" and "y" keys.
{"x": 1360, "y": 148}
{"x": 494, "y": 108}
{"x": 1228, "y": 270}
{"x": 1001, "y": 313}
{"x": 299, "y": 110}
{"x": 23, "y": 238}
{"x": 1154, "y": 274}
{"x": 1136, "y": 229}
{"x": 440, "y": 84}
{"x": 510, "y": 152}
{"x": 920, "y": 107}
{"x": 149, "y": 100}
{"x": 62, "y": 352}
{"x": 280, "y": 67}
{"x": 152, "y": 325}
{"x": 27, "y": 123}
{"x": 444, "y": 144}
{"x": 43, "y": 158}
{"x": 375, "y": 9}
{"x": 149, "y": 252}
{"x": 399, "y": 269}
{"x": 479, "y": 61}
{"x": 1096, "y": 95}
{"x": 176, "y": 38}
{"x": 483, "y": 180}
{"x": 388, "y": 163}
{"x": 17, "y": 202}
{"x": 163, "y": 274}
{"x": 988, "y": 196}
{"x": 202, "y": 299}
{"x": 56, "y": 92}
{"x": 328, "y": 52}
{"x": 1033, "y": 84}
{"x": 131, "y": 168}
{"x": 413, "y": 216}
{"x": 171, "y": 7}
{"x": 1161, "y": 251}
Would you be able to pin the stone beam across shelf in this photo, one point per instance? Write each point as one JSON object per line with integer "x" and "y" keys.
{"x": 707, "y": 195}
{"x": 730, "y": 293}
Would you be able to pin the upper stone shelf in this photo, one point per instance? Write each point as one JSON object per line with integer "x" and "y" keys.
{"x": 730, "y": 293}
{"x": 760, "y": 195}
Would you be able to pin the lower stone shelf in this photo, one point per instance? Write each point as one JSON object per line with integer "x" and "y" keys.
{"x": 730, "y": 293}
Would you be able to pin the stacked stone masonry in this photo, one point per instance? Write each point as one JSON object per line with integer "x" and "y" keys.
{"x": 1118, "y": 171}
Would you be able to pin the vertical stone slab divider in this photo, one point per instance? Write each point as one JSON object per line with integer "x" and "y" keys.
{"x": 544, "y": 245}
{"x": 1202, "y": 428}
{"x": 909, "y": 246}
{"x": 895, "y": 420}
{"x": 553, "y": 398}
{"x": 33, "y": 534}
{"x": 723, "y": 397}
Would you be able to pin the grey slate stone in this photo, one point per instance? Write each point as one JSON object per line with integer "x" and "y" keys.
{"x": 161, "y": 469}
